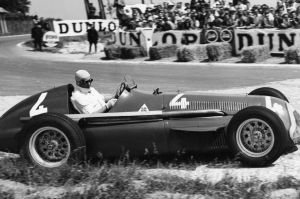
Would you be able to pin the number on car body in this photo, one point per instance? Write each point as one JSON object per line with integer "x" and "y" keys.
{"x": 182, "y": 104}
{"x": 37, "y": 108}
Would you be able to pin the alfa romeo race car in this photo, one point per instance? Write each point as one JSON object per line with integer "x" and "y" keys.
{"x": 47, "y": 130}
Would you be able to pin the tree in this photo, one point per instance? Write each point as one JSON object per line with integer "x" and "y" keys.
{"x": 15, "y": 6}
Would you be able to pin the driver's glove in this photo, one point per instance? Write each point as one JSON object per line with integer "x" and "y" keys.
{"x": 111, "y": 103}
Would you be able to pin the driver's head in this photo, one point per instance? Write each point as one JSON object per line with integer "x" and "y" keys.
{"x": 83, "y": 79}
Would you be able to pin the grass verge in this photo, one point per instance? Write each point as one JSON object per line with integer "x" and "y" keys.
{"x": 126, "y": 180}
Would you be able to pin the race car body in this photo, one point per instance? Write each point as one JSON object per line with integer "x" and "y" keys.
{"x": 256, "y": 127}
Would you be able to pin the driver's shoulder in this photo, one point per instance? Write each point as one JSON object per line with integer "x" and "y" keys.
{"x": 96, "y": 93}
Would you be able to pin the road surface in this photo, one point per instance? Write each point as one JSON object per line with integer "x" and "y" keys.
{"x": 25, "y": 72}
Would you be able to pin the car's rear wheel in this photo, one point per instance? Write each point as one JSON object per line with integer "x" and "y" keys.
{"x": 256, "y": 136}
{"x": 53, "y": 140}
{"x": 267, "y": 91}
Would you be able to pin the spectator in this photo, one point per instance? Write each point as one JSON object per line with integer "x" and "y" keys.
{"x": 195, "y": 24}
{"x": 35, "y": 20}
{"x": 268, "y": 19}
{"x": 187, "y": 23}
{"x": 244, "y": 20}
{"x": 92, "y": 36}
{"x": 180, "y": 24}
{"x": 216, "y": 5}
{"x": 294, "y": 20}
{"x": 291, "y": 5}
{"x": 209, "y": 19}
{"x": 119, "y": 5}
{"x": 281, "y": 7}
{"x": 170, "y": 23}
{"x": 241, "y": 6}
{"x": 37, "y": 36}
{"x": 277, "y": 18}
{"x": 284, "y": 22}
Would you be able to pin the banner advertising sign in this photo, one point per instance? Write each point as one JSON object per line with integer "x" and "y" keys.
{"x": 143, "y": 38}
{"x": 51, "y": 39}
{"x": 146, "y": 37}
{"x": 122, "y": 38}
{"x": 211, "y": 36}
{"x": 140, "y": 8}
{"x": 278, "y": 40}
{"x": 176, "y": 37}
{"x": 79, "y": 27}
{"x": 226, "y": 35}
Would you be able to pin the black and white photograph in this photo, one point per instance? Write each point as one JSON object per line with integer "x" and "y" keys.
{"x": 149, "y": 99}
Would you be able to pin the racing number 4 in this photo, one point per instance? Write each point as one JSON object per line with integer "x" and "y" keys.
{"x": 182, "y": 104}
{"x": 37, "y": 108}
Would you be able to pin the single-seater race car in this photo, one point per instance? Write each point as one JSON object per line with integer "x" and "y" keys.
{"x": 47, "y": 130}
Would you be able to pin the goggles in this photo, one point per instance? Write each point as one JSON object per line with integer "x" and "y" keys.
{"x": 84, "y": 82}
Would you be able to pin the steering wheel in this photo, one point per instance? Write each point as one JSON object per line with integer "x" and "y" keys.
{"x": 120, "y": 90}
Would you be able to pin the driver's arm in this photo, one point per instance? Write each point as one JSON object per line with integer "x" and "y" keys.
{"x": 109, "y": 100}
{"x": 108, "y": 97}
{"x": 87, "y": 108}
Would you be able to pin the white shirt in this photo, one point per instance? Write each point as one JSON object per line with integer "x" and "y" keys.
{"x": 88, "y": 100}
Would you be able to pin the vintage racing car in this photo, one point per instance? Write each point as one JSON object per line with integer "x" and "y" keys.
{"x": 257, "y": 127}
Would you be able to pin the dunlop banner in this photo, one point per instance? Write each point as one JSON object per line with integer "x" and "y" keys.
{"x": 142, "y": 38}
{"x": 122, "y": 38}
{"x": 278, "y": 40}
{"x": 146, "y": 37}
{"x": 79, "y": 27}
{"x": 176, "y": 37}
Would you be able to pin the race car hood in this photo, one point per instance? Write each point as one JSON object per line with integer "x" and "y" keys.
{"x": 231, "y": 104}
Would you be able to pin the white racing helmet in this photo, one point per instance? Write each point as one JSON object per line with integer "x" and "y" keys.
{"x": 83, "y": 79}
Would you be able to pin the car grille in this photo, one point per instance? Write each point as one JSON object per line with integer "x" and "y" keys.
{"x": 220, "y": 105}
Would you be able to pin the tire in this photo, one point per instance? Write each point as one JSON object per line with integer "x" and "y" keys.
{"x": 267, "y": 91}
{"x": 260, "y": 145}
{"x": 53, "y": 140}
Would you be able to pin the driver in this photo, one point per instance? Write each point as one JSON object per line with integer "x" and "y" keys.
{"x": 86, "y": 99}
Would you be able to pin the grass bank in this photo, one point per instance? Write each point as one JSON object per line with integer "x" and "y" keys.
{"x": 127, "y": 180}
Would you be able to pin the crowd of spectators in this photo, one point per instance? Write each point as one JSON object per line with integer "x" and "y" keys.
{"x": 199, "y": 14}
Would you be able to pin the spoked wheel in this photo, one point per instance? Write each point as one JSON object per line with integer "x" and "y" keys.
{"x": 256, "y": 136}
{"x": 52, "y": 140}
{"x": 49, "y": 147}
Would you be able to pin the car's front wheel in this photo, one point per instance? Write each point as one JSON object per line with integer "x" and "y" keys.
{"x": 53, "y": 140}
{"x": 256, "y": 136}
